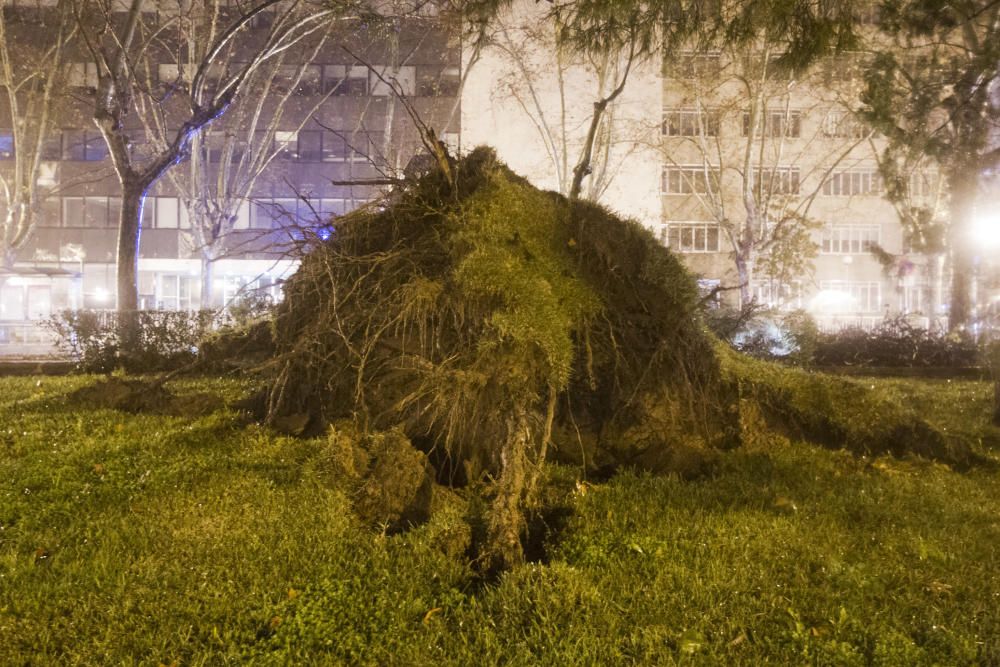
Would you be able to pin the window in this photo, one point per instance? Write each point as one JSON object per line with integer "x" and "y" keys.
{"x": 172, "y": 75}
{"x": 331, "y": 207}
{"x": 52, "y": 146}
{"x": 286, "y": 144}
{"x": 688, "y": 180}
{"x": 173, "y": 291}
{"x": 924, "y": 183}
{"x": 300, "y": 79}
{"x": 778, "y": 180}
{"x": 854, "y": 182}
{"x": 842, "y": 68}
{"x": 690, "y": 123}
{"x": 693, "y": 236}
{"x": 6, "y": 144}
{"x": 349, "y": 80}
{"x": 688, "y": 65}
{"x": 776, "y": 124}
{"x": 775, "y": 294}
{"x": 94, "y": 212}
{"x": 402, "y": 79}
{"x": 334, "y": 147}
{"x": 82, "y": 75}
{"x": 31, "y": 4}
{"x": 859, "y": 296}
{"x": 51, "y": 213}
{"x": 435, "y": 81}
{"x": 83, "y": 145}
{"x": 849, "y": 239}
{"x": 310, "y": 145}
{"x": 243, "y": 215}
{"x": 843, "y": 125}
{"x": 267, "y": 213}
{"x": 165, "y": 213}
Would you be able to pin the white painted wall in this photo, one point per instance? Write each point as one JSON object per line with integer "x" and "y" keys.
{"x": 492, "y": 115}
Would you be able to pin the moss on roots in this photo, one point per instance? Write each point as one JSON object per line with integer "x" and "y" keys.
{"x": 495, "y": 325}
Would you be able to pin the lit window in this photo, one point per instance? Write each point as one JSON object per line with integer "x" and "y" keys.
{"x": 350, "y": 80}
{"x": 436, "y": 81}
{"x": 854, "y": 182}
{"x": 690, "y": 123}
{"x": 849, "y": 239}
{"x": 385, "y": 79}
{"x": 684, "y": 180}
{"x": 776, "y": 294}
{"x": 778, "y": 180}
{"x": 843, "y": 125}
{"x": 693, "y": 236}
{"x": 6, "y": 144}
{"x": 776, "y": 124}
{"x": 83, "y": 145}
{"x": 167, "y": 211}
{"x": 82, "y": 75}
{"x": 855, "y": 296}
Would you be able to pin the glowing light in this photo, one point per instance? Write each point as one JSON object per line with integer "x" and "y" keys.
{"x": 16, "y": 281}
{"x": 831, "y": 301}
{"x": 101, "y": 295}
{"x": 985, "y": 232}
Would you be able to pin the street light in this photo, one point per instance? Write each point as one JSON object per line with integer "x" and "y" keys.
{"x": 985, "y": 237}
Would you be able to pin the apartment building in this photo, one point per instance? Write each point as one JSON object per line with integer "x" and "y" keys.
{"x": 754, "y": 176}
{"x": 319, "y": 131}
{"x": 774, "y": 171}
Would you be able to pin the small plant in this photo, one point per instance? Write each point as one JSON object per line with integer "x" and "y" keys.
{"x": 767, "y": 334}
{"x": 164, "y": 339}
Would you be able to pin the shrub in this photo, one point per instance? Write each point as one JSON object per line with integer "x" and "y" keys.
{"x": 895, "y": 343}
{"x": 767, "y": 334}
{"x": 164, "y": 339}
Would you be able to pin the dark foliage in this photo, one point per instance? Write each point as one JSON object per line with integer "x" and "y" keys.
{"x": 164, "y": 340}
{"x": 895, "y": 343}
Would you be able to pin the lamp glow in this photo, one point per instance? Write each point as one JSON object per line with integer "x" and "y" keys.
{"x": 985, "y": 232}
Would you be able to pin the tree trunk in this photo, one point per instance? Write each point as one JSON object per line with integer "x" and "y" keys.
{"x": 744, "y": 273}
{"x": 962, "y": 186}
{"x": 7, "y": 258}
{"x": 936, "y": 278}
{"x": 207, "y": 281}
{"x": 129, "y": 229}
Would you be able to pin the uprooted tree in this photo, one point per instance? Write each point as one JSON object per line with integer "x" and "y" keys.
{"x": 497, "y": 326}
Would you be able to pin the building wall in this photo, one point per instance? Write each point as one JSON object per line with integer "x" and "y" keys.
{"x": 340, "y": 124}
{"x": 534, "y": 106}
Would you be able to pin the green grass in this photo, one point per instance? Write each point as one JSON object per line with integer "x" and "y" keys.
{"x": 154, "y": 539}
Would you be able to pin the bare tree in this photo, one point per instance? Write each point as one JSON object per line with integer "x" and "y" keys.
{"x": 567, "y": 96}
{"x": 127, "y": 48}
{"x": 734, "y": 142}
{"x": 248, "y": 147}
{"x": 32, "y": 80}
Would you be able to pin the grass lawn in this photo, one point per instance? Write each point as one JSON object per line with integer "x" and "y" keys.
{"x": 179, "y": 540}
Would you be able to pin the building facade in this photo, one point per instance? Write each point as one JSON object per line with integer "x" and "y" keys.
{"x": 318, "y": 131}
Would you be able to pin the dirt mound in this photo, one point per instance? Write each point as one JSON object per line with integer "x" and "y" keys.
{"x": 495, "y": 326}
{"x": 144, "y": 396}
